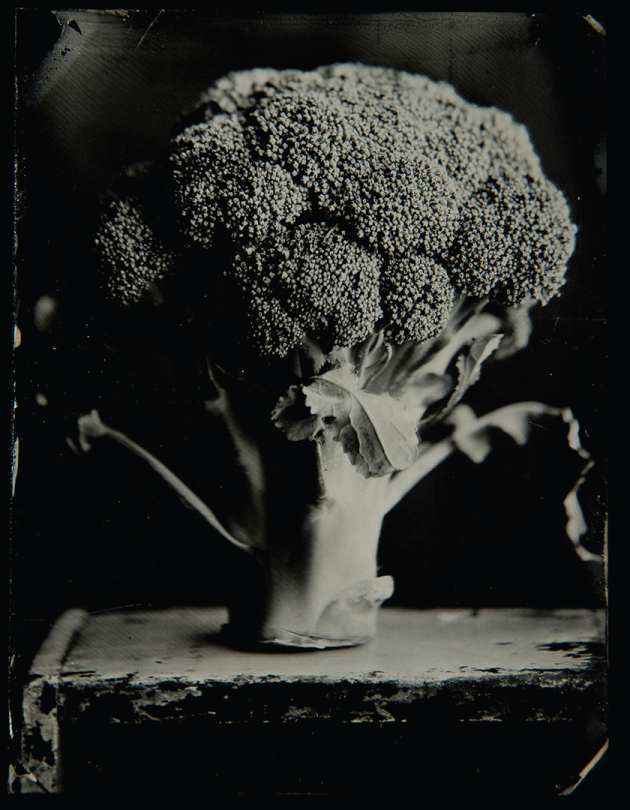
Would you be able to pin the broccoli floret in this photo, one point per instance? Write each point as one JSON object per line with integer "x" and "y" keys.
{"x": 131, "y": 250}
{"x": 323, "y": 278}
{"x": 351, "y": 199}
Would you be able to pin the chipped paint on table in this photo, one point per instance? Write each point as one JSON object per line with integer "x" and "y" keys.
{"x": 132, "y": 667}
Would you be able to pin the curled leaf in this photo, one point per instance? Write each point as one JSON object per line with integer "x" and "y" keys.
{"x": 472, "y": 436}
{"x": 468, "y": 366}
{"x": 576, "y": 523}
{"x": 431, "y": 393}
{"x": 293, "y": 417}
{"x": 375, "y": 431}
{"x": 468, "y": 437}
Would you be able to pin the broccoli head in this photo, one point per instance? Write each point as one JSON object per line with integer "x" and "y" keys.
{"x": 348, "y": 200}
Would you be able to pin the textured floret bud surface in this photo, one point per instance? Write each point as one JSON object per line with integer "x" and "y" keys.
{"x": 345, "y": 198}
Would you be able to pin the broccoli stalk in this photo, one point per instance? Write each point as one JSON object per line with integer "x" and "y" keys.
{"x": 362, "y": 240}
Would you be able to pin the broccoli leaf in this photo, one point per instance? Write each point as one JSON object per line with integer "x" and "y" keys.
{"x": 469, "y": 364}
{"x": 434, "y": 389}
{"x": 292, "y": 416}
{"x": 468, "y": 370}
{"x": 374, "y": 430}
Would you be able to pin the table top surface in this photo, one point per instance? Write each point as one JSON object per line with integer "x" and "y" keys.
{"x": 412, "y": 646}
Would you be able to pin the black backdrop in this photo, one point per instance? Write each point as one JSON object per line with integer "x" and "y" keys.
{"x": 97, "y": 91}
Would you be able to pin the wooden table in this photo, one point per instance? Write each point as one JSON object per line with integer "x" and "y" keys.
{"x": 472, "y": 702}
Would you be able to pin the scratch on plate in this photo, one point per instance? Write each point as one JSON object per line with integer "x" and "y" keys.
{"x": 584, "y": 772}
{"x": 150, "y": 26}
{"x": 597, "y": 26}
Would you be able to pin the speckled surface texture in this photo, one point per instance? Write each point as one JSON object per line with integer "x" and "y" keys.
{"x": 134, "y": 681}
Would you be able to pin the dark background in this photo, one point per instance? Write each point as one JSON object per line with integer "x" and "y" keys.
{"x": 96, "y": 91}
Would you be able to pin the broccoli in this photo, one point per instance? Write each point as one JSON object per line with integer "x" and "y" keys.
{"x": 380, "y": 237}
{"x": 352, "y": 197}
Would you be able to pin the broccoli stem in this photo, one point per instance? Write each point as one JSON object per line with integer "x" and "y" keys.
{"x": 92, "y": 427}
{"x": 316, "y": 539}
{"x": 320, "y": 571}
